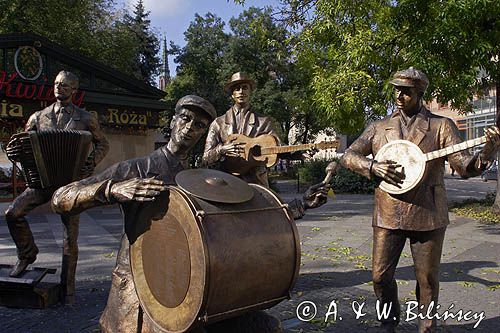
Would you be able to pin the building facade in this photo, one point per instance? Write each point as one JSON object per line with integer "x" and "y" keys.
{"x": 471, "y": 125}
{"x": 128, "y": 109}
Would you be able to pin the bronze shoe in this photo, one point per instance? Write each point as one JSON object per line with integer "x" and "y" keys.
{"x": 20, "y": 266}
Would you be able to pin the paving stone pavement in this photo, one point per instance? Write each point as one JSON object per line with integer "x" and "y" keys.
{"x": 336, "y": 263}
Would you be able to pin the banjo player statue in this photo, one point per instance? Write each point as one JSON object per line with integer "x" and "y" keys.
{"x": 421, "y": 213}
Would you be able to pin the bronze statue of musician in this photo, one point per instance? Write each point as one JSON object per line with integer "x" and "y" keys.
{"x": 421, "y": 214}
{"x": 239, "y": 119}
{"x": 62, "y": 114}
{"x": 133, "y": 182}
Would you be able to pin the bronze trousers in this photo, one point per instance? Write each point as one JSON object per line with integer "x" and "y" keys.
{"x": 257, "y": 176}
{"x": 426, "y": 248}
{"x": 23, "y": 237}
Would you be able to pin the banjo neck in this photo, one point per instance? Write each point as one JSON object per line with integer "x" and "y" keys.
{"x": 455, "y": 148}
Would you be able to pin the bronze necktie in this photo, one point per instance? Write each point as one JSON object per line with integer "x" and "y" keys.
{"x": 60, "y": 118}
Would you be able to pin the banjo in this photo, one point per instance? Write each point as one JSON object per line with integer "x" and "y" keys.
{"x": 413, "y": 160}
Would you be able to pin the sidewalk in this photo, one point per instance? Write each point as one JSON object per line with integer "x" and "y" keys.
{"x": 336, "y": 263}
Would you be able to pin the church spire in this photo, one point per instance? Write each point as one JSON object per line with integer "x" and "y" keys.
{"x": 165, "y": 71}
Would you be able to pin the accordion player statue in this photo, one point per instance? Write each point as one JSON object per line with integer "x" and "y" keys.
{"x": 55, "y": 137}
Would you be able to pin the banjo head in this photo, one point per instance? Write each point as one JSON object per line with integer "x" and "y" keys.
{"x": 412, "y": 162}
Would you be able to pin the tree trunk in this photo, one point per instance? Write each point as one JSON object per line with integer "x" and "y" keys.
{"x": 496, "y": 204}
{"x": 306, "y": 130}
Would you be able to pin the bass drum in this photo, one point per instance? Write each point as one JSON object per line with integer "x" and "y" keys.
{"x": 205, "y": 261}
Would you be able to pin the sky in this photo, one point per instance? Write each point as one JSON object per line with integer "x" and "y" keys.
{"x": 172, "y": 17}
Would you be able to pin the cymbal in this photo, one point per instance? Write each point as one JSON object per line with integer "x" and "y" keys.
{"x": 214, "y": 185}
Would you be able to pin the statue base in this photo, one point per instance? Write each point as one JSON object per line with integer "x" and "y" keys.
{"x": 28, "y": 290}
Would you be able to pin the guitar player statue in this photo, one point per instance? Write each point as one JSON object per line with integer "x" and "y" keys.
{"x": 239, "y": 119}
{"x": 420, "y": 214}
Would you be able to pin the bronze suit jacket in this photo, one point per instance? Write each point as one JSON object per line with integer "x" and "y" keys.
{"x": 252, "y": 125}
{"x": 122, "y": 310}
{"x": 425, "y": 207}
{"x": 80, "y": 119}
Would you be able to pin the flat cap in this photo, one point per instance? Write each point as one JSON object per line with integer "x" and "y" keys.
{"x": 197, "y": 101}
{"x": 411, "y": 77}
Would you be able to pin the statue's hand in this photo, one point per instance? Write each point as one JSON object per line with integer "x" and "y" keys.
{"x": 231, "y": 149}
{"x": 316, "y": 195}
{"x": 137, "y": 189}
{"x": 387, "y": 171}
{"x": 492, "y": 142}
{"x": 13, "y": 150}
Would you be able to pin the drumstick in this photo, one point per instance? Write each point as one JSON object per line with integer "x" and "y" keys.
{"x": 330, "y": 170}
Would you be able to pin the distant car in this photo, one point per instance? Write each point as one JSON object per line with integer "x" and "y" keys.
{"x": 490, "y": 174}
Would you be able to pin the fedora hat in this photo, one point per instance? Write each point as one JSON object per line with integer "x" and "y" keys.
{"x": 238, "y": 78}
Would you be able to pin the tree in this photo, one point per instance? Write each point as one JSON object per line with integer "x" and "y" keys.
{"x": 91, "y": 27}
{"x": 199, "y": 67}
{"x": 146, "y": 61}
{"x": 256, "y": 44}
{"x": 353, "y": 47}
{"x": 200, "y": 61}
{"x": 259, "y": 47}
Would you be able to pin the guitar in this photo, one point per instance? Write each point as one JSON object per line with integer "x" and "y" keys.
{"x": 263, "y": 151}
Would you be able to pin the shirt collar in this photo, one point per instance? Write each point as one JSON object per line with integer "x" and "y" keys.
{"x": 68, "y": 108}
{"x": 238, "y": 110}
{"x": 173, "y": 160}
{"x": 420, "y": 113}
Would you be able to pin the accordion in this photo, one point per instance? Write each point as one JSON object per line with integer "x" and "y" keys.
{"x": 52, "y": 158}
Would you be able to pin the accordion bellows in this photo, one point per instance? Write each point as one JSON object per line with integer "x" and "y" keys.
{"x": 51, "y": 159}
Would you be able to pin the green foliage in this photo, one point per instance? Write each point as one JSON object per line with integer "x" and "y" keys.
{"x": 477, "y": 209}
{"x": 343, "y": 48}
{"x": 257, "y": 45}
{"x": 313, "y": 171}
{"x": 352, "y": 48}
{"x": 347, "y": 181}
{"x": 146, "y": 61}
{"x": 344, "y": 180}
{"x": 200, "y": 63}
{"x": 95, "y": 28}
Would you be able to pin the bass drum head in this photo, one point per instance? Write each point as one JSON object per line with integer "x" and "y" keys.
{"x": 169, "y": 267}
{"x": 411, "y": 158}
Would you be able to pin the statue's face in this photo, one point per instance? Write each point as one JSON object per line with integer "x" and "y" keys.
{"x": 63, "y": 88}
{"x": 188, "y": 127}
{"x": 407, "y": 99}
{"x": 241, "y": 94}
